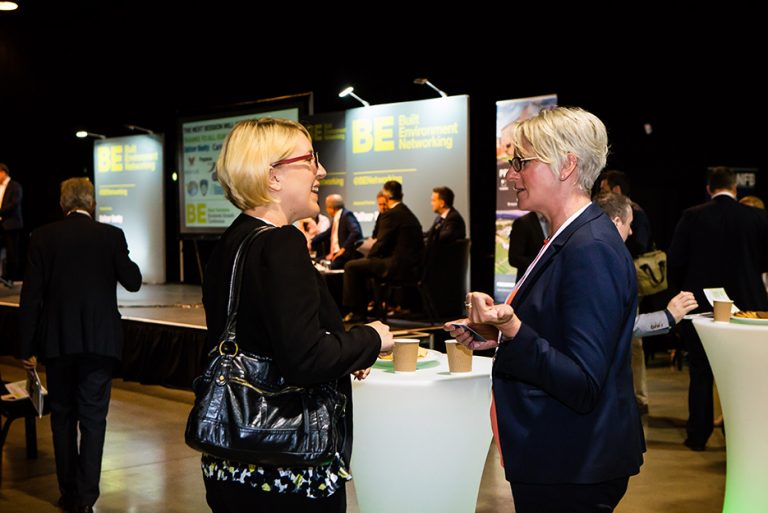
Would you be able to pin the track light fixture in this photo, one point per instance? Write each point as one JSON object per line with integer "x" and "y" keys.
{"x": 424, "y": 81}
{"x": 139, "y": 129}
{"x": 348, "y": 92}
{"x": 82, "y": 134}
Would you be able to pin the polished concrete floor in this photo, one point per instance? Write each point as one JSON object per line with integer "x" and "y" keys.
{"x": 147, "y": 467}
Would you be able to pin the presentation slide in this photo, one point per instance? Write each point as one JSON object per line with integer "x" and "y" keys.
{"x": 129, "y": 195}
{"x": 421, "y": 144}
{"x": 204, "y": 208}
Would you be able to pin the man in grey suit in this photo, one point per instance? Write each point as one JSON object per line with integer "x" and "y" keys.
{"x": 11, "y": 224}
{"x": 68, "y": 317}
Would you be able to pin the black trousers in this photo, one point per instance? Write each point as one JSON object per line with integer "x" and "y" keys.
{"x": 229, "y": 497}
{"x": 569, "y": 498}
{"x": 357, "y": 273}
{"x": 79, "y": 388}
{"x": 701, "y": 410}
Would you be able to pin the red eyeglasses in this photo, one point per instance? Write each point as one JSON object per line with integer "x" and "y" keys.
{"x": 311, "y": 156}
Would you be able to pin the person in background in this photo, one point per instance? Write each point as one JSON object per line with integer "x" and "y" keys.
{"x": 618, "y": 208}
{"x": 382, "y": 205}
{"x": 68, "y": 318}
{"x": 398, "y": 253}
{"x": 341, "y": 237}
{"x": 638, "y": 242}
{"x": 270, "y": 171}
{"x": 448, "y": 226}
{"x": 525, "y": 240}
{"x": 754, "y": 201}
{"x": 11, "y": 224}
{"x": 721, "y": 243}
{"x": 569, "y": 432}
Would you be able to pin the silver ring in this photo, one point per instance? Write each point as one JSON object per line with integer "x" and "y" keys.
{"x": 468, "y": 305}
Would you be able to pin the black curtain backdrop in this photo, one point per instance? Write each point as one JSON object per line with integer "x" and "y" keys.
{"x": 98, "y": 67}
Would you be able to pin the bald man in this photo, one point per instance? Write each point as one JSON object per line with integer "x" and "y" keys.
{"x": 341, "y": 237}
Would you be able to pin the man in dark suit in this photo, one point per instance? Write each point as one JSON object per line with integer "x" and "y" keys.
{"x": 525, "y": 240}
{"x": 68, "y": 317}
{"x": 640, "y": 240}
{"x": 721, "y": 243}
{"x": 11, "y": 224}
{"x": 449, "y": 226}
{"x": 397, "y": 253}
{"x": 341, "y": 237}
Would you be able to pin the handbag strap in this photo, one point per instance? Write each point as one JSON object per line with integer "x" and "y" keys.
{"x": 236, "y": 282}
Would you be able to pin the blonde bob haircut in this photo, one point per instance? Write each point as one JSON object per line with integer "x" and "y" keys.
{"x": 77, "y": 193}
{"x": 554, "y": 133}
{"x": 245, "y": 158}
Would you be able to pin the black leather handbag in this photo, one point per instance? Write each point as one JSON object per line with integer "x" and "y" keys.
{"x": 244, "y": 410}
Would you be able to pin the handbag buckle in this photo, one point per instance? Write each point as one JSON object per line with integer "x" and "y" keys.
{"x": 225, "y": 345}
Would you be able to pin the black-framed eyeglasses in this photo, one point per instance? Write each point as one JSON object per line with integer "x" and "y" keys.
{"x": 518, "y": 163}
{"x": 311, "y": 156}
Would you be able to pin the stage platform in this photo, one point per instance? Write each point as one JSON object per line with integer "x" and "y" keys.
{"x": 164, "y": 328}
{"x": 165, "y": 332}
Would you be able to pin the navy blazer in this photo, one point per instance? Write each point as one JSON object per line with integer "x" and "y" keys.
{"x": 563, "y": 386}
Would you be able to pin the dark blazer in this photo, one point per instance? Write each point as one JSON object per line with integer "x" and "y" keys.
{"x": 525, "y": 241}
{"x": 640, "y": 240}
{"x": 69, "y": 300}
{"x": 721, "y": 243}
{"x": 10, "y": 210}
{"x": 286, "y": 311}
{"x": 349, "y": 233}
{"x": 399, "y": 242}
{"x": 445, "y": 231}
{"x": 563, "y": 386}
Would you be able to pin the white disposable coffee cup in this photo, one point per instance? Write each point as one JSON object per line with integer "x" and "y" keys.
{"x": 405, "y": 354}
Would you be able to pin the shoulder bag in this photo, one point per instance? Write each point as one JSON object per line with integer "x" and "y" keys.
{"x": 651, "y": 270}
{"x": 244, "y": 410}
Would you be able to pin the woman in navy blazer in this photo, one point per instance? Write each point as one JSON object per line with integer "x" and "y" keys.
{"x": 568, "y": 428}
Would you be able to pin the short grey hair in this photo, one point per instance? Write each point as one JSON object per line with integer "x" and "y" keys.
{"x": 554, "y": 133}
{"x": 77, "y": 193}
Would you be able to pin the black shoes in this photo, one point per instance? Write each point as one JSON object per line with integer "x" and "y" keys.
{"x": 66, "y": 502}
{"x": 69, "y": 504}
{"x": 693, "y": 445}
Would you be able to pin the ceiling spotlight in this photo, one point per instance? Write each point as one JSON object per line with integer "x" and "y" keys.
{"x": 8, "y": 6}
{"x": 139, "y": 129}
{"x": 348, "y": 92}
{"x": 424, "y": 81}
{"x": 82, "y": 134}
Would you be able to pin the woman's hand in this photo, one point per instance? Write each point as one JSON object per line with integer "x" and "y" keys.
{"x": 482, "y": 310}
{"x": 387, "y": 340}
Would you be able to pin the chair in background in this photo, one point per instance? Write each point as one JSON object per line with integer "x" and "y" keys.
{"x": 442, "y": 285}
{"x": 12, "y": 410}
